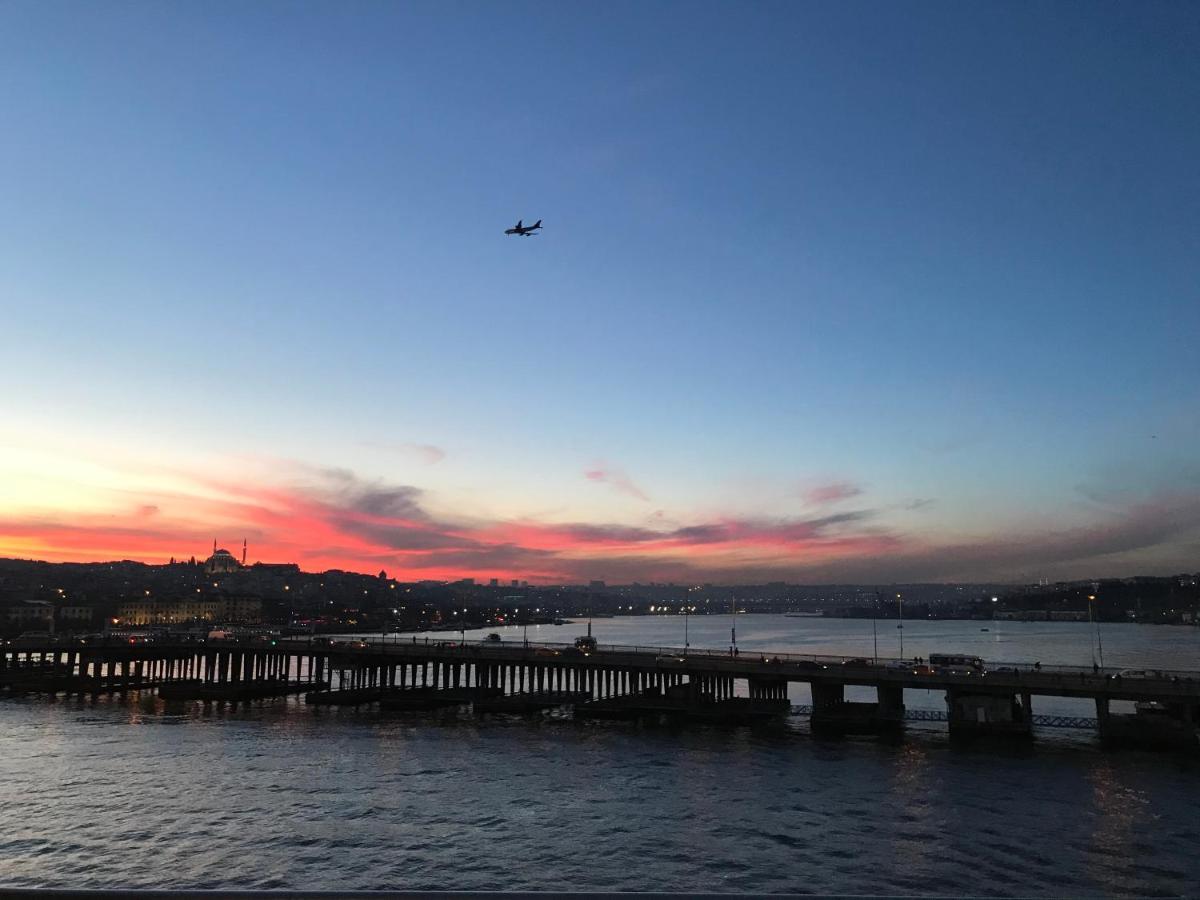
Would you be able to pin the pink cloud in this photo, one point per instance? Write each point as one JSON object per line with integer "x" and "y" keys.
{"x": 617, "y": 479}
{"x": 429, "y": 454}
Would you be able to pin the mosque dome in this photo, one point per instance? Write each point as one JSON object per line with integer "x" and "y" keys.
{"x": 221, "y": 561}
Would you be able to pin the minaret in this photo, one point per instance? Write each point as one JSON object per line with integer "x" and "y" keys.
{"x": 243, "y": 551}
{"x": 214, "y": 545}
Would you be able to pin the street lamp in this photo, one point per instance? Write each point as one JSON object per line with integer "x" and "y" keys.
{"x": 1099, "y": 642}
{"x": 733, "y": 630}
{"x": 874, "y": 631}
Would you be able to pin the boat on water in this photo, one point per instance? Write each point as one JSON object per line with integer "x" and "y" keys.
{"x": 493, "y": 638}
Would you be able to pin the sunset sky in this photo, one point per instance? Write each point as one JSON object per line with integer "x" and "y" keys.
{"x": 826, "y": 292}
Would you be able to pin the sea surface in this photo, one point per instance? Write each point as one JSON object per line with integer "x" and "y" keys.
{"x": 270, "y": 794}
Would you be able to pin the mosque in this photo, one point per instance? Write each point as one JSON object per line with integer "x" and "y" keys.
{"x": 222, "y": 562}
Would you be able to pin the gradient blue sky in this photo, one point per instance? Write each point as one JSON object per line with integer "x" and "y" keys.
{"x": 910, "y": 289}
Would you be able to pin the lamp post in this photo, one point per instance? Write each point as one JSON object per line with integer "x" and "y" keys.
{"x": 900, "y": 627}
{"x": 733, "y": 630}
{"x": 685, "y": 628}
{"x": 874, "y": 630}
{"x": 1096, "y": 620}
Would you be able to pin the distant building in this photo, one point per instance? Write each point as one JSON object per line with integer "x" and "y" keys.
{"x": 1067, "y": 615}
{"x": 495, "y": 582}
{"x": 275, "y": 568}
{"x": 30, "y": 612}
{"x": 240, "y": 610}
{"x": 76, "y": 615}
{"x": 596, "y": 585}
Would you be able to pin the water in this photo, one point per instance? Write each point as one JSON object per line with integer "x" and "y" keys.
{"x": 109, "y": 792}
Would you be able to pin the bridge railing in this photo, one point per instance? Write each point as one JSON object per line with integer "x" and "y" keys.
{"x": 639, "y": 652}
{"x": 803, "y": 659}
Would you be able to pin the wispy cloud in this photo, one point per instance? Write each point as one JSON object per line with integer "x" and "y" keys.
{"x": 428, "y": 454}
{"x": 619, "y": 481}
{"x": 834, "y": 492}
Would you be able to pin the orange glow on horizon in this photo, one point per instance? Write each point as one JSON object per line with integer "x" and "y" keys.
{"x": 365, "y": 528}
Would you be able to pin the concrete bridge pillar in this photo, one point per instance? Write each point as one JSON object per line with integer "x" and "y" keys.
{"x": 833, "y": 714}
{"x": 827, "y": 696}
{"x": 976, "y": 714}
{"x": 891, "y": 701}
{"x": 1162, "y": 726}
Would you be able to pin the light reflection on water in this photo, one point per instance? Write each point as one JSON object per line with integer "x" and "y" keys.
{"x": 273, "y": 794}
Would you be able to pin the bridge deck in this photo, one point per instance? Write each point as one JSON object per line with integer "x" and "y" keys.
{"x": 1000, "y": 678}
{"x": 1003, "y": 678}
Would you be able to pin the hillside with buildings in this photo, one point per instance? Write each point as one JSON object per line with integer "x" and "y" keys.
{"x": 224, "y": 588}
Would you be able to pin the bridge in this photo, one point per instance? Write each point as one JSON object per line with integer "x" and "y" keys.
{"x": 610, "y": 681}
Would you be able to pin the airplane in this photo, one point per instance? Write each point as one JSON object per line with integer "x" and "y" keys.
{"x": 524, "y": 230}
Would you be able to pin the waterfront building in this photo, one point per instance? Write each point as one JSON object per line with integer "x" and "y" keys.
{"x": 232, "y": 609}
{"x": 38, "y": 613}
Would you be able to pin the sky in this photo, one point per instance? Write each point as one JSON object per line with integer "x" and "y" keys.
{"x": 825, "y": 291}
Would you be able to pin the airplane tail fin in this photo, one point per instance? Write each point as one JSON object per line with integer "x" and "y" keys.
{"x": 537, "y": 224}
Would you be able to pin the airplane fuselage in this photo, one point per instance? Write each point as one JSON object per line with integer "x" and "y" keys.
{"x": 524, "y": 230}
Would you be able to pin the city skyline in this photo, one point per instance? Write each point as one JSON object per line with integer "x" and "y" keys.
{"x": 821, "y": 295}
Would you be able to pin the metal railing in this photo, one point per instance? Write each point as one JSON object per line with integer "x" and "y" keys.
{"x": 509, "y": 649}
{"x": 782, "y": 658}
